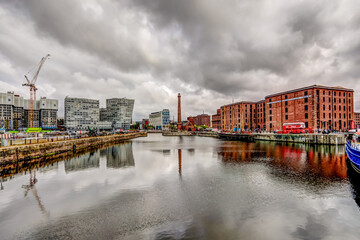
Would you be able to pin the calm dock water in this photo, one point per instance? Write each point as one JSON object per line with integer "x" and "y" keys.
{"x": 185, "y": 188}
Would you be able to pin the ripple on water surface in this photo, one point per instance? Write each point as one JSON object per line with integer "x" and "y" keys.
{"x": 184, "y": 188}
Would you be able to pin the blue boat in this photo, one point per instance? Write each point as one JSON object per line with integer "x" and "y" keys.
{"x": 353, "y": 152}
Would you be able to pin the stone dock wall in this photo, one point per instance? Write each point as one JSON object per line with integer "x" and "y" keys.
{"x": 52, "y": 149}
{"x": 321, "y": 139}
{"x": 178, "y": 133}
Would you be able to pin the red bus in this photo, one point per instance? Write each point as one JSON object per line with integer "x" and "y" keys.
{"x": 295, "y": 128}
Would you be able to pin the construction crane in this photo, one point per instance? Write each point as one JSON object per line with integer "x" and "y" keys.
{"x": 33, "y": 88}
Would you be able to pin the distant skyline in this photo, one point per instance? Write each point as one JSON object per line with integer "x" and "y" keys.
{"x": 212, "y": 52}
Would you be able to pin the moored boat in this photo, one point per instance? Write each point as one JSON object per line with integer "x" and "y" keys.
{"x": 353, "y": 152}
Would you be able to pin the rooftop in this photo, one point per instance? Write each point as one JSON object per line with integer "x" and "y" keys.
{"x": 311, "y": 87}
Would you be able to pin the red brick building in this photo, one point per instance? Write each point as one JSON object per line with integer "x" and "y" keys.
{"x": 202, "y": 119}
{"x": 357, "y": 119}
{"x": 216, "y": 119}
{"x": 189, "y": 124}
{"x": 260, "y": 115}
{"x": 317, "y": 106}
{"x": 238, "y": 115}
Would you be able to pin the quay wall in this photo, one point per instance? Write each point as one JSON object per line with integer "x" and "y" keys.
{"x": 51, "y": 149}
{"x": 207, "y": 134}
{"x": 322, "y": 139}
{"x": 178, "y": 133}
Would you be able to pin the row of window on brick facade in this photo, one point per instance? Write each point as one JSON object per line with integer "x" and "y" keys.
{"x": 307, "y": 116}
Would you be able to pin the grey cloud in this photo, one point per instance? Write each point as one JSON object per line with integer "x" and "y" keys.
{"x": 210, "y": 51}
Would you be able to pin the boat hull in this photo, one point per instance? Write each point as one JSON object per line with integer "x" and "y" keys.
{"x": 354, "y": 157}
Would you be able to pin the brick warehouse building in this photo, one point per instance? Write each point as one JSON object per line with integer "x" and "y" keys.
{"x": 202, "y": 119}
{"x": 357, "y": 119}
{"x": 215, "y": 119}
{"x": 317, "y": 106}
{"x": 238, "y": 115}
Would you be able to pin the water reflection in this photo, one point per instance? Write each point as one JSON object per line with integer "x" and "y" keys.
{"x": 88, "y": 160}
{"x": 230, "y": 189}
{"x": 116, "y": 157}
{"x": 119, "y": 156}
{"x": 31, "y": 186}
{"x": 179, "y": 160}
{"x": 322, "y": 161}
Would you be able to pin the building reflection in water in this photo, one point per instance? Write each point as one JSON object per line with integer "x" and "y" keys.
{"x": 325, "y": 161}
{"x": 119, "y": 156}
{"x": 32, "y": 187}
{"x": 87, "y": 160}
{"x": 179, "y": 160}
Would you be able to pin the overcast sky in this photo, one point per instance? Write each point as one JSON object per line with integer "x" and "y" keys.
{"x": 212, "y": 52}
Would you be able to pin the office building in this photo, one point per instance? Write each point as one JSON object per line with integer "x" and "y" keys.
{"x": 81, "y": 113}
{"x": 118, "y": 111}
{"x": 15, "y": 112}
{"x": 160, "y": 120}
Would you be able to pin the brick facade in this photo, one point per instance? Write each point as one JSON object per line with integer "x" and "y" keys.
{"x": 357, "y": 119}
{"x": 216, "y": 119}
{"x": 202, "y": 119}
{"x": 319, "y": 107}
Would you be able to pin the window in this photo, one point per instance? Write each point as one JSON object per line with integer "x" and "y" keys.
{"x": 329, "y": 107}
{"x": 334, "y": 93}
{"x": 344, "y": 115}
{"x": 329, "y": 115}
{"x": 323, "y": 92}
{"x": 270, "y": 112}
{"x": 306, "y": 116}
{"x": 286, "y": 117}
{"x": 305, "y": 93}
{"x": 324, "y": 107}
{"x": 270, "y": 118}
{"x": 349, "y": 108}
{"x": 344, "y": 108}
{"x": 334, "y": 115}
{"x": 286, "y": 110}
{"x": 286, "y": 97}
{"x": 334, "y": 107}
{"x": 323, "y": 99}
{"x": 286, "y": 103}
{"x": 306, "y": 107}
{"x": 334, "y": 100}
{"x": 305, "y": 100}
{"x": 323, "y": 115}
{"x": 344, "y": 94}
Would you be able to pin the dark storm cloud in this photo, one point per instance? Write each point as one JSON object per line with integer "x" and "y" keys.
{"x": 211, "y": 51}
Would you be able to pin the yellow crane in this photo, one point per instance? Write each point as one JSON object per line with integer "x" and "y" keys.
{"x": 31, "y": 85}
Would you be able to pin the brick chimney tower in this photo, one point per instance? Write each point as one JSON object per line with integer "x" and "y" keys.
{"x": 179, "y": 113}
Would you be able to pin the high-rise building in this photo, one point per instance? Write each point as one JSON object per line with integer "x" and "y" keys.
{"x": 160, "y": 120}
{"x": 81, "y": 113}
{"x": 15, "y": 112}
{"x": 118, "y": 111}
